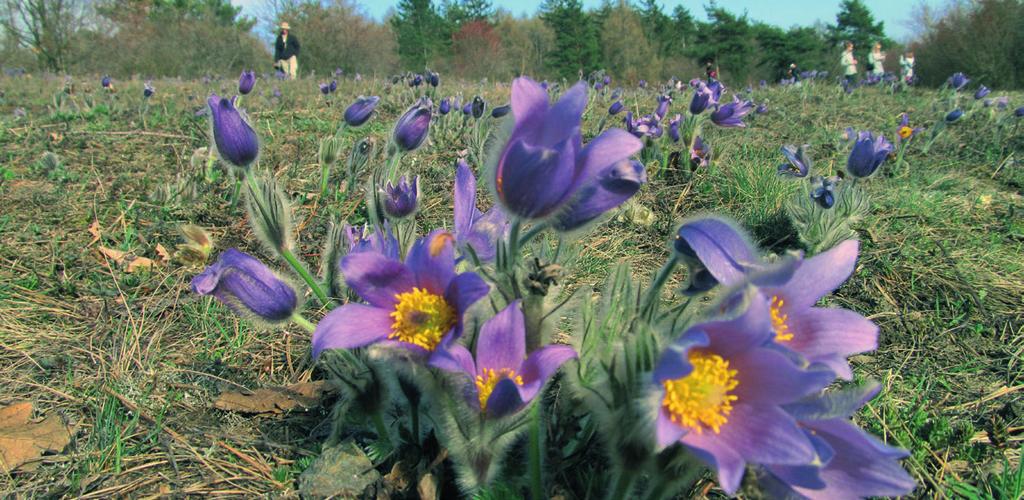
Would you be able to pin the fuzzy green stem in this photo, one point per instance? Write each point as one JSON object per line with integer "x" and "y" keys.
{"x": 536, "y": 458}
{"x": 325, "y": 173}
{"x": 531, "y": 233}
{"x": 623, "y": 485}
{"x": 378, "y": 423}
{"x": 654, "y": 290}
{"x": 235, "y": 193}
{"x": 304, "y": 274}
{"x": 303, "y": 322}
{"x": 415, "y": 408}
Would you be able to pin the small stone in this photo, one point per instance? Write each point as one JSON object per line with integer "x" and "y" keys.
{"x": 343, "y": 471}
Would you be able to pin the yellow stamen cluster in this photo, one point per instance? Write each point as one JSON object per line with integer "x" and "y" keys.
{"x": 421, "y": 318}
{"x": 485, "y": 383}
{"x": 779, "y": 324}
{"x": 906, "y": 131}
{"x": 702, "y": 398}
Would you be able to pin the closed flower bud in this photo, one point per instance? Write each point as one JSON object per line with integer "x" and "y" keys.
{"x": 246, "y": 82}
{"x": 329, "y": 151}
{"x": 444, "y": 107}
{"x": 411, "y": 129}
{"x": 359, "y": 111}
{"x": 478, "y": 107}
{"x": 434, "y": 79}
{"x": 359, "y": 157}
{"x": 954, "y": 115}
{"x": 105, "y": 81}
{"x": 615, "y": 108}
{"x": 500, "y": 111}
{"x": 868, "y": 153}
{"x": 332, "y": 86}
{"x": 402, "y": 199}
{"x": 236, "y": 141}
{"x": 1019, "y": 112}
{"x": 148, "y": 90}
{"x": 981, "y": 92}
{"x": 247, "y": 286}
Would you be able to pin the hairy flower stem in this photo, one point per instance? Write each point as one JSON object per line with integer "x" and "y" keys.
{"x": 648, "y": 306}
{"x": 623, "y": 485}
{"x": 303, "y": 322}
{"x": 536, "y": 458}
{"x": 378, "y": 423}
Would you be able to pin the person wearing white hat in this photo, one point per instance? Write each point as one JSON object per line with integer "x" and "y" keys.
{"x": 286, "y": 51}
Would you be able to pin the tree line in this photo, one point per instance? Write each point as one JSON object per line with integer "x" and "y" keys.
{"x": 473, "y": 39}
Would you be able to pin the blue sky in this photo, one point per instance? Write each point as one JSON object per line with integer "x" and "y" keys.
{"x": 785, "y": 13}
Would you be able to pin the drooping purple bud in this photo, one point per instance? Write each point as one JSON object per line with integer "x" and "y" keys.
{"x": 615, "y": 108}
{"x": 478, "y": 107}
{"x": 500, "y": 111}
{"x": 607, "y": 80}
{"x": 402, "y": 199}
{"x": 1019, "y": 112}
{"x": 412, "y": 128}
{"x": 416, "y": 81}
{"x": 673, "y": 128}
{"x": 148, "y": 90}
{"x": 325, "y": 88}
{"x": 246, "y": 82}
{"x": 958, "y": 81}
{"x": 246, "y": 285}
{"x": 359, "y": 111}
{"x": 235, "y": 139}
{"x": 444, "y": 107}
{"x": 663, "y": 103}
{"x": 981, "y": 92}
{"x": 332, "y": 86}
{"x": 105, "y": 82}
{"x": 954, "y": 115}
{"x": 868, "y": 153}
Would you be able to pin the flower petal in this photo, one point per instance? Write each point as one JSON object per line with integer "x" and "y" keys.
{"x": 376, "y": 278}
{"x": 465, "y": 198}
{"x": 675, "y": 361}
{"x": 607, "y": 149}
{"x": 504, "y": 399}
{"x": 502, "y": 341}
{"x": 723, "y": 249}
{"x": 351, "y": 326}
{"x": 529, "y": 100}
{"x": 768, "y": 377}
{"x": 564, "y": 116}
{"x": 610, "y": 189}
{"x": 432, "y": 260}
{"x": 453, "y": 358}
{"x": 541, "y": 365}
{"x": 668, "y": 432}
{"x": 820, "y": 275}
{"x": 465, "y": 290}
{"x": 831, "y": 335}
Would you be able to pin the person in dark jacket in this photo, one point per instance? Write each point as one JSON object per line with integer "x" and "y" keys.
{"x": 286, "y": 51}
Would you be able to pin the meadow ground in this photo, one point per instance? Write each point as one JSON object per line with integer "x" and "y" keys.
{"x": 133, "y": 361}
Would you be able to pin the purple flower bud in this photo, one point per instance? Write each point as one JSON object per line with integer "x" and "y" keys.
{"x": 981, "y": 92}
{"x": 478, "y": 107}
{"x": 246, "y": 285}
{"x": 402, "y": 199}
{"x": 444, "y": 107}
{"x": 359, "y": 111}
{"x": 235, "y": 139}
{"x": 500, "y": 111}
{"x": 105, "y": 81}
{"x": 434, "y": 79}
{"x": 761, "y": 108}
{"x": 763, "y": 84}
{"x": 148, "y": 90}
{"x": 325, "y": 88}
{"x": 663, "y": 103}
{"x": 607, "y": 80}
{"x": 598, "y": 86}
{"x": 338, "y": 72}
{"x": 673, "y": 128}
{"x": 416, "y": 81}
{"x": 731, "y": 115}
{"x": 615, "y": 108}
{"x": 704, "y": 96}
{"x": 700, "y": 154}
{"x": 642, "y": 84}
{"x": 333, "y": 86}
{"x": 823, "y": 192}
{"x": 276, "y": 92}
{"x": 868, "y": 153}
{"x": 467, "y": 109}
{"x": 958, "y": 81}
{"x": 412, "y": 128}
{"x": 954, "y": 115}
{"x": 798, "y": 164}
{"x": 1019, "y": 112}
{"x": 1002, "y": 102}
{"x": 246, "y": 82}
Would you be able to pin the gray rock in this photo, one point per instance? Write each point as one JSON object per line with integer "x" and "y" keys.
{"x": 343, "y": 471}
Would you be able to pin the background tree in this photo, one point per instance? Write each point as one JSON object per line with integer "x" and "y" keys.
{"x": 47, "y": 27}
{"x": 420, "y": 32}
{"x": 362, "y": 46}
{"x": 855, "y": 23}
{"x": 728, "y": 41}
{"x": 576, "y": 42}
{"x": 626, "y": 51}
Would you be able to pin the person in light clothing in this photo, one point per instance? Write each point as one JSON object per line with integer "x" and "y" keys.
{"x": 286, "y": 51}
{"x": 907, "y": 67}
{"x": 849, "y": 63}
{"x": 877, "y": 60}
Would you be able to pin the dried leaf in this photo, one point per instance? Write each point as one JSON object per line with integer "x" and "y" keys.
{"x": 132, "y": 263}
{"x": 94, "y": 230}
{"x": 273, "y": 399}
{"x": 22, "y": 440}
{"x": 112, "y": 254}
{"x": 165, "y": 256}
{"x": 137, "y": 263}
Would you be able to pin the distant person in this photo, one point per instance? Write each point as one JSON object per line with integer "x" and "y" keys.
{"x": 877, "y": 60}
{"x": 792, "y": 72}
{"x": 711, "y": 71}
{"x": 907, "y": 66}
{"x": 849, "y": 63}
{"x": 286, "y": 51}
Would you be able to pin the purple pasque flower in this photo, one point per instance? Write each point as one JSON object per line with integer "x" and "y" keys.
{"x": 954, "y": 115}
{"x": 412, "y": 128}
{"x": 433, "y": 79}
{"x": 416, "y": 305}
{"x": 644, "y": 126}
{"x": 607, "y": 80}
{"x": 763, "y": 84}
{"x": 368, "y": 239}
{"x": 642, "y": 84}
{"x": 705, "y": 95}
{"x": 722, "y": 386}
{"x": 981, "y": 92}
{"x": 467, "y": 109}
{"x": 333, "y": 86}
{"x": 105, "y": 81}
{"x": 790, "y": 290}
{"x": 504, "y": 378}
{"x": 477, "y": 230}
{"x": 338, "y": 72}
{"x": 148, "y": 90}
{"x": 236, "y": 141}
{"x": 615, "y": 108}
{"x": 598, "y": 86}
{"x": 500, "y": 111}
{"x": 958, "y": 81}
{"x": 823, "y": 191}
{"x": 700, "y": 153}
{"x": 761, "y": 108}
{"x": 401, "y": 200}
{"x": 867, "y": 154}
{"x": 247, "y": 286}
{"x": 664, "y": 101}
{"x": 673, "y": 127}
{"x": 904, "y": 131}
{"x": 544, "y": 165}
{"x": 1019, "y": 112}
{"x": 444, "y": 107}
{"x": 416, "y": 80}
{"x": 731, "y": 115}
{"x": 325, "y": 88}
{"x": 798, "y": 164}
{"x": 246, "y": 81}
{"x": 276, "y": 92}
{"x": 360, "y": 111}
{"x": 851, "y": 463}
{"x": 478, "y": 106}
{"x": 612, "y": 188}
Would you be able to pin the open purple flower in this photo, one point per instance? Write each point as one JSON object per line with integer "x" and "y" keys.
{"x": 851, "y": 463}
{"x": 412, "y": 128}
{"x": 723, "y": 385}
{"x": 416, "y": 305}
{"x": 700, "y": 153}
{"x": 402, "y": 199}
{"x": 325, "y": 88}
{"x": 705, "y": 96}
{"x": 360, "y": 111}
{"x": 673, "y": 128}
{"x": 236, "y": 141}
{"x": 613, "y": 186}
{"x": 246, "y": 285}
{"x": 246, "y": 81}
{"x": 798, "y": 164}
{"x": 981, "y": 92}
{"x": 544, "y": 165}
{"x": 792, "y": 289}
{"x": 731, "y": 115}
{"x": 663, "y": 103}
{"x": 868, "y": 153}
{"x": 367, "y": 239}
{"x": 477, "y": 230}
{"x": 505, "y": 379}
